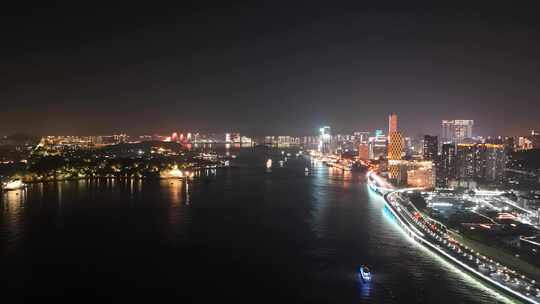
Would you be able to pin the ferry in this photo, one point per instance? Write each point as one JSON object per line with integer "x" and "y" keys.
{"x": 15, "y": 184}
{"x": 364, "y": 273}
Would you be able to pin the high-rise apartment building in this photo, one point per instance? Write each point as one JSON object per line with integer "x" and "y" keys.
{"x": 430, "y": 148}
{"x": 480, "y": 162}
{"x": 456, "y": 130}
{"x": 447, "y": 164}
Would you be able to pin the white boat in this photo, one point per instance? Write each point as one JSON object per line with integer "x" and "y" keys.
{"x": 269, "y": 163}
{"x": 364, "y": 273}
{"x": 15, "y": 184}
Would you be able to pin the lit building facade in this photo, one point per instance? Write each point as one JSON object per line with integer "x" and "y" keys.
{"x": 447, "y": 165}
{"x": 378, "y": 146}
{"x": 392, "y": 123}
{"x": 430, "y": 148}
{"x": 395, "y": 146}
{"x": 325, "y": 140}
{"x": 361, "y": 137}
{"x": 421, "y": 174}
{"x": 481, "y": 162}
{"x": 396, "y": 172}
{"x": 456, "y": 130}
{"x": 363, "y": 151}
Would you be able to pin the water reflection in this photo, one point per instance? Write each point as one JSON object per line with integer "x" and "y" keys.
{"x": 59, "y": 193}
{"x": 320, "y": 202}
{"x": 12, "y": 214}
{"x": 312, "y": 228}
{"x": 364, "y": 289}
{"x": 174, "y": 190}
{"x": 341, "y": 175}
{"x": 187, "y": 192}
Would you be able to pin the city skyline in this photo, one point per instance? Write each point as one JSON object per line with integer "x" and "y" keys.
{"x": 263, "y": 69}
{"x": 283, "y": 151}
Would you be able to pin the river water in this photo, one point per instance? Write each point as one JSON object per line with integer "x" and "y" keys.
{"x": 244, "y": 234}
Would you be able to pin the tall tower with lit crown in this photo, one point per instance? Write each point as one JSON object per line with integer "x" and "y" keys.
{"x": 395, "y": 148}
{"x": 392, "y": 123}
{"x": 395, "y": 139}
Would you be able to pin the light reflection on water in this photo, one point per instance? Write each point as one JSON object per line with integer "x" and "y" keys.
{"x": 281, "y": 229}
{"x": 12, "y": 211}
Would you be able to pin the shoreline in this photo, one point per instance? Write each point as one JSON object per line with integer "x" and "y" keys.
{"x": 413, "y": 231}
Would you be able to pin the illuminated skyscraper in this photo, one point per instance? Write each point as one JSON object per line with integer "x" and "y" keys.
{"x": 395, "y": 151}
{"x": 395, "y": 139}
{"x": 325, "y": 139}
{"x": 395, "y": 146}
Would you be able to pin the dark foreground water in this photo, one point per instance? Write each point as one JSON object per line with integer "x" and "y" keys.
{"x": 244, "y": 235}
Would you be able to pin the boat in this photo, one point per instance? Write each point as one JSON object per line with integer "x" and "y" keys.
{"x": 269, "y": 163}
{"x": 15, "y": 184}
{"x": 364, "y": 273}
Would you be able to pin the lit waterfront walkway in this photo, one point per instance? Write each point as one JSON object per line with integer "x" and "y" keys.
{"x": 433, "y": 235}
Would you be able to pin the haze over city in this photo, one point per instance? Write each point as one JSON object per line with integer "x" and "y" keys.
{"x": 267, "y": 68}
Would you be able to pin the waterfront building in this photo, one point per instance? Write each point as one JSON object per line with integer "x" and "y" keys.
{"x": 284, "y": 141}
{"x": 524, "y": 143}
{"x": 246, "y": 140}
{"x": 325, "y": 140}
{"x": 236, "y": 138}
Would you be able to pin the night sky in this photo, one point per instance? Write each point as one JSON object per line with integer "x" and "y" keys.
{"x": 273, "y": 68}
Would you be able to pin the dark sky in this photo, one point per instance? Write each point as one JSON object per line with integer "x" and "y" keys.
{"x": 267, "y": 68}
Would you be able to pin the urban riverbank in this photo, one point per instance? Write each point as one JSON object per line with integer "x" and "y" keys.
{"x": 434, "y": 236}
